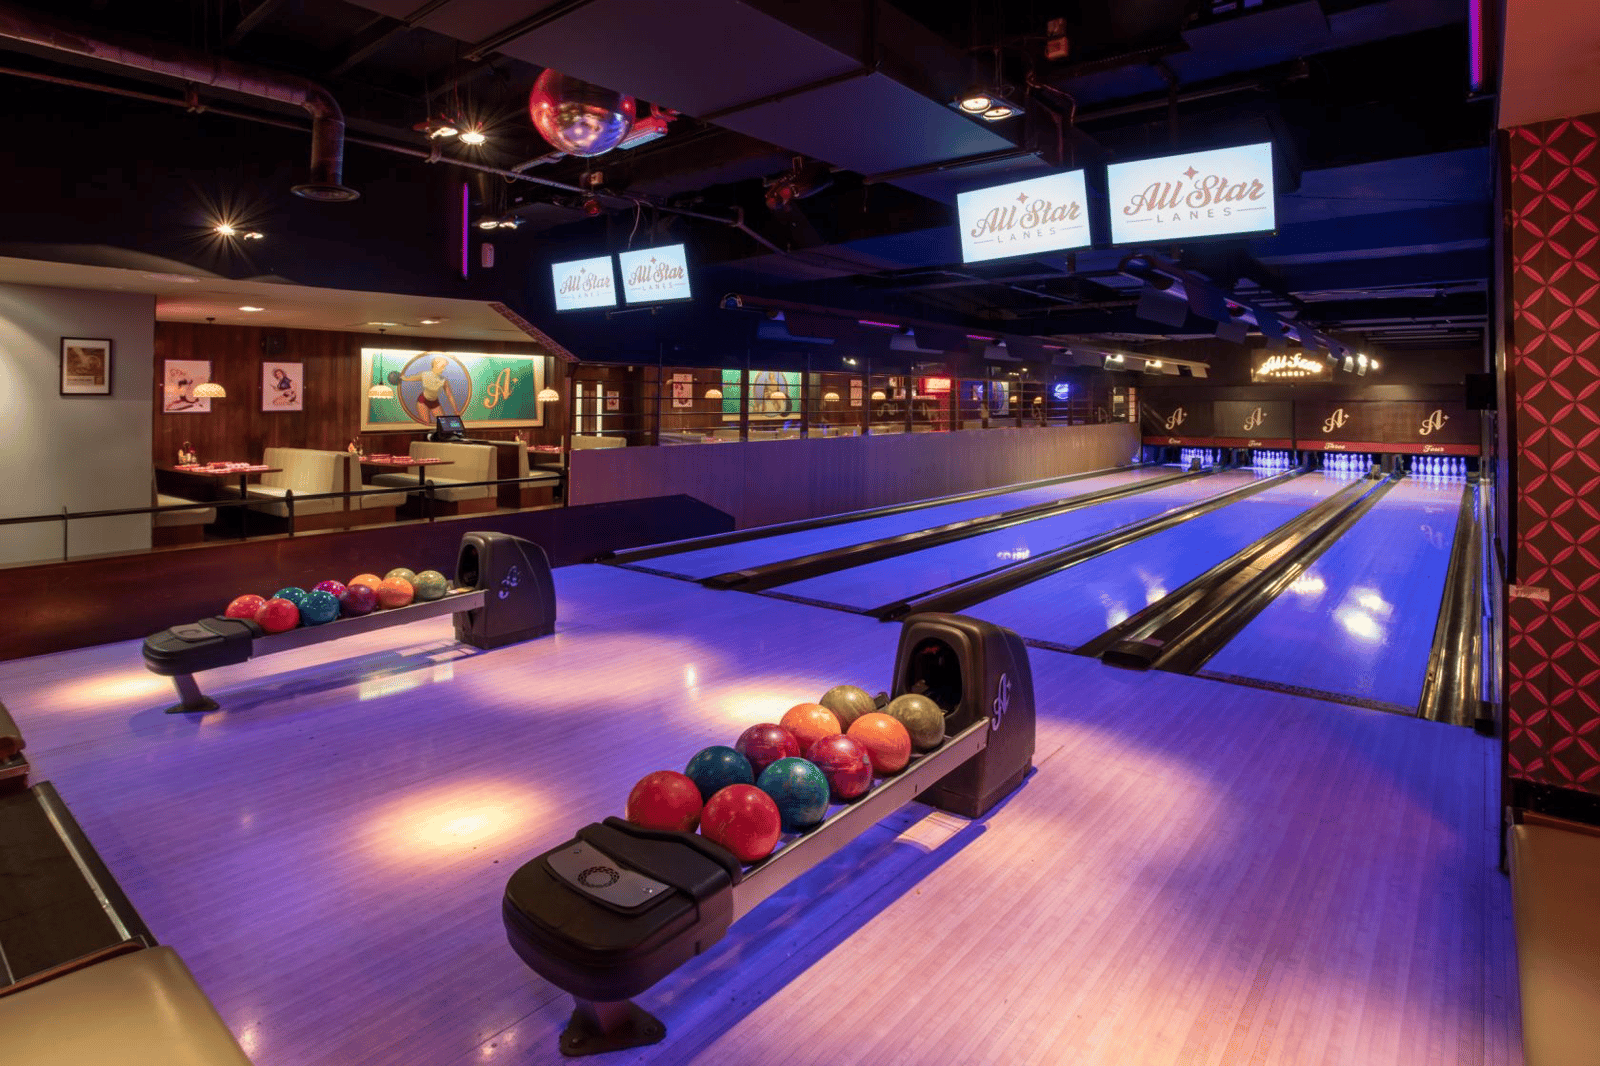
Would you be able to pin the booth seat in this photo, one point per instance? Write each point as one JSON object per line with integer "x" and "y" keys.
{"x": 178, "y": 527}
{"x": 453, "y": 493}
{"x": 580, "y": 443}
{"x": 1555, "y": 882}
{"x": 368, "y": 510}
{"x": 303, "y": 471}
{"x": 511, "y": 461}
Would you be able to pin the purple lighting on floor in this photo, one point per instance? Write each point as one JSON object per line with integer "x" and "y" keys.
{"x": 881, "y": 325}
{"x": 1475, "y": 44}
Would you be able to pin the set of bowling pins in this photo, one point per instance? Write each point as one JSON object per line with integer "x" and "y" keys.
{"x": 1207, "y": 456}
{"x": 1439, "y": 467}
{"x": 1273, "y": 460}
{"x": 1343, "y": 464}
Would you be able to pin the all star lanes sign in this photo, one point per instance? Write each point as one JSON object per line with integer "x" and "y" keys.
{"x": 1196, "y": 194}
{"x": 654, "y": 275}
{"x": 1048, "y": 213}
{"x": 584, "y": 283}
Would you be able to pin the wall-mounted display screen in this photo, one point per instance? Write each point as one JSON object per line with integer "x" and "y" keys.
{"x": 584, "y": 283}
{"x": 654, "y": 275}
{"x": 1048, "y": 213}
{"x": 1196, "y": 194}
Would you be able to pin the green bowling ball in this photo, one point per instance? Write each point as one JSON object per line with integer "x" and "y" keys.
{"x": 408, "y": 576}
{"x": 430, "y": 585}
{"x": 847, "y": 702}
{"x": 922, "y": 718}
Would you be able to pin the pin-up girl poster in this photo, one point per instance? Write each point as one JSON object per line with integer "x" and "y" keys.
{"x": 283, "y": 387}
{"x": 180, "y": 378}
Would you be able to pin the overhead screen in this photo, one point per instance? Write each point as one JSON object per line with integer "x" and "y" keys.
{"x": 584, "y": 283}
{"x": 1049, "y": 213}
{"x": 1196, "y": 194}
{"x": 654, "y": 275}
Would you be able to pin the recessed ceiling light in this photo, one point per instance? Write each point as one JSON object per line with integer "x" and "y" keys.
{"x": 383, "y": 323}
{"x": 249, "y": 307}
{"x": 182, "y": 279}
{"x": 431, "y": 321}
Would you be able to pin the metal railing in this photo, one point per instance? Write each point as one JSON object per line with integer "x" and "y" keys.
{"x": 427, "y": 490}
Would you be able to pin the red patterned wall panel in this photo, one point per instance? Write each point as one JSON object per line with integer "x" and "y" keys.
{"x": 1553, "y": 648}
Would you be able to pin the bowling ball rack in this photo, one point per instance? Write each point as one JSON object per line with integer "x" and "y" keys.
{"x": 617, "y": 908}
{"x": 504, "y": 594}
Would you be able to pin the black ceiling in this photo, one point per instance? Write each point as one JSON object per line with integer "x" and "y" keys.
{"x": 1384, "y": 233}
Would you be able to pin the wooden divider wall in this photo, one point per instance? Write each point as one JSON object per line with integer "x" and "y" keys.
{"x": 760, "y": 482}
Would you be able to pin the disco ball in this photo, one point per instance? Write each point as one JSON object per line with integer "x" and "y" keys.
{"x": 579, "y": 118}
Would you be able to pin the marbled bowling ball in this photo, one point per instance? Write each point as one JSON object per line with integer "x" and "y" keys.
{"x": 847, "y": 702}
{"x": 408, "y": 576}
{"x": 431, "y": 585}
{"x": 799, "y": 789}
{"x": 765, "y": 744}
{"x": 743, "y": 819}
{"x": 278, "y": 615}
{"x": 320, "y": 606}
{"x": 335, "y": 587}
{"x": 846, "y": 765}
{"x": 886, "y": 740}
{"x": 809, "y": 722}
{"x": 357, "y": 600}
{"x": 715, "y": 768}
{"x": 922, "y": 718}
{"x": 367, "y": 579}
{"x": 395, "y": 592}
{"x": 244, "y": 606}
{"x": 665, "y": 799}
{"x": 292, "y": 593}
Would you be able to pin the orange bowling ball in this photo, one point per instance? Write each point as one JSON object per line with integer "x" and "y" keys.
{"x": 886, "y": 740}
{"x": 395, "y": 592}
{"x": 810, "y": 722}
{"x": 372, "y": 581}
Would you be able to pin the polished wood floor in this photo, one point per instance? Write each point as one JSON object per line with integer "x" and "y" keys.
{"x": 1197, "y": 874}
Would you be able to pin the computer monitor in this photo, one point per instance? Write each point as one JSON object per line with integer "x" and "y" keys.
{"x": 449, "y": 426}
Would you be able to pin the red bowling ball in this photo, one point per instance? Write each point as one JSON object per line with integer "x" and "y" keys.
{"x": 743, "y": 819}
{"x": 846, "y": 765}
{"x": 765, "y": 744}
{"x": 665, "y": 799}
{"x": 357, "y": 600}
{"x": 244, "y": 607}
{"x": 278, "y": 616}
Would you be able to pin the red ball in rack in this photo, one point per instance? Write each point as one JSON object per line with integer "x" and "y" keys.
{"x": 665, "y": 799}
{"x": 278, "y": 616}
{"x": 765, "y": 744}
{"x": 846, "y": 765}
{"x": 244, "y": 606}
{"x": 743, "y": 819}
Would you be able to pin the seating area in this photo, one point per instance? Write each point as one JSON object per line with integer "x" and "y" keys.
{"x": 1555, "y": 881}
{"x": 82, "y": 980}
{"x": 454, "y": 492}
{"x": 304, "y": 472}
{"x": 179, "y": 527}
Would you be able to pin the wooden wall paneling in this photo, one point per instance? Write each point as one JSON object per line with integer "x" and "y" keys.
{"x": 237, "y": 427}
{"x": 759, "y": 482}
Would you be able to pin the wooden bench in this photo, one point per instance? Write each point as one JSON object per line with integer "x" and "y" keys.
{"x": 81, "y": 978}
{"x": 1555, "y": 890}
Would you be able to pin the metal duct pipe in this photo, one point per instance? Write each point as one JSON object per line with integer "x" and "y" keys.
{"x": 327, "y": 120}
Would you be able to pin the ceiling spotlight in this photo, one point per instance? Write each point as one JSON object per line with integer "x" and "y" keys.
{"x": 251, "y": 307}
{"x": 252, "y": 235}
{"x": 436, "y": 129}
{"x": 225, "y": 229}
{"x": 1373, "y": 364}
{"x": 510, "y": 222}
{"x": 473, "y": 137}
{"x": 998, "y": 112}
{"x": 975, "y": 101}
{"x": 431, "y": 321}
{"x": 383, "y": 324}
{"x": 1152, "y": 364}
{"x": 1361, "y": 358}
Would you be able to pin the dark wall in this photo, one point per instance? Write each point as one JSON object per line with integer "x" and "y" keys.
{"x": 1405, "y": 375}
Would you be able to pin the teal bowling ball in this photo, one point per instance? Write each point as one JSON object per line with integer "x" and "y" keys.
{"x": 715, "y": 768}
{"x": 799, "y": 789}
{"x": 293, "y": 594}
{"x": 319, "y": 607}
{"x": 431, "y": 585}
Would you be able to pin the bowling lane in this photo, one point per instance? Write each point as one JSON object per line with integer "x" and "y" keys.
{"x": 887, "y": 580}
{"x": 1073, "y": 606}
{"x": 1360, "y": 621}
{"x": 720, "y": 560}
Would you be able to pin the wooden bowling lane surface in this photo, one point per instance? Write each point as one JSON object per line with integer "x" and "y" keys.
{"x": 1196, "y": 873}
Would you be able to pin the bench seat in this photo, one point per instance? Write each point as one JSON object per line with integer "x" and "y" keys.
{"x": 1555, "y": 890}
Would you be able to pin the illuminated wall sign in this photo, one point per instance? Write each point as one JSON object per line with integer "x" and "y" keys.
{"x": 1061, "y": 390}
{"x": 1295, "y": 366}
{"x": 1043, "y": 214}
{"x": 654, "y": 275}
{"x": 935, "y": 384}
{"x": 584, "y": 283}
{"x": 1197, "y": 194}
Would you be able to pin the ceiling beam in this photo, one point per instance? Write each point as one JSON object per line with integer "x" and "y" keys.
{"x": 251, "y": 19}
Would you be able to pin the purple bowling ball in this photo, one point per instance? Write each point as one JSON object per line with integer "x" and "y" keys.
{"x": 357, "y": 600}
{"x": 335, "y": 587}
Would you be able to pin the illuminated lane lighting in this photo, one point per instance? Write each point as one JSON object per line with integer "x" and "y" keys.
{"x": 1359, "y": 624}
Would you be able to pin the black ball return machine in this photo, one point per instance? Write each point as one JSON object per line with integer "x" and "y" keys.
{"x": 617, "y": 908}
{"x": 503, "y": 593}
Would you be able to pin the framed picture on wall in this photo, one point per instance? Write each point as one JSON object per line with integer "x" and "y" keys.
{"x": 283, "y": 386}
{"x": 613, "y": 401}
{"x": 683, "y": 390}
{"x": 179, "y": 379}
{"x": 85, "y": 366}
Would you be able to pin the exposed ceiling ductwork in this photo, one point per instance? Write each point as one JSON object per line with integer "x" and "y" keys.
{"x": 326, "y": 179}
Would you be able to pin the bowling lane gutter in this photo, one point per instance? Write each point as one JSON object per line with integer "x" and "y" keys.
{"x": 787, "y": 571}
{"x": 1182, "y": 635}
{"x": 739, "y": 536}
{"x": 1143, "y": 637}
{"x": 1450, "y": 690}
{"x": 959, "y": 595}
